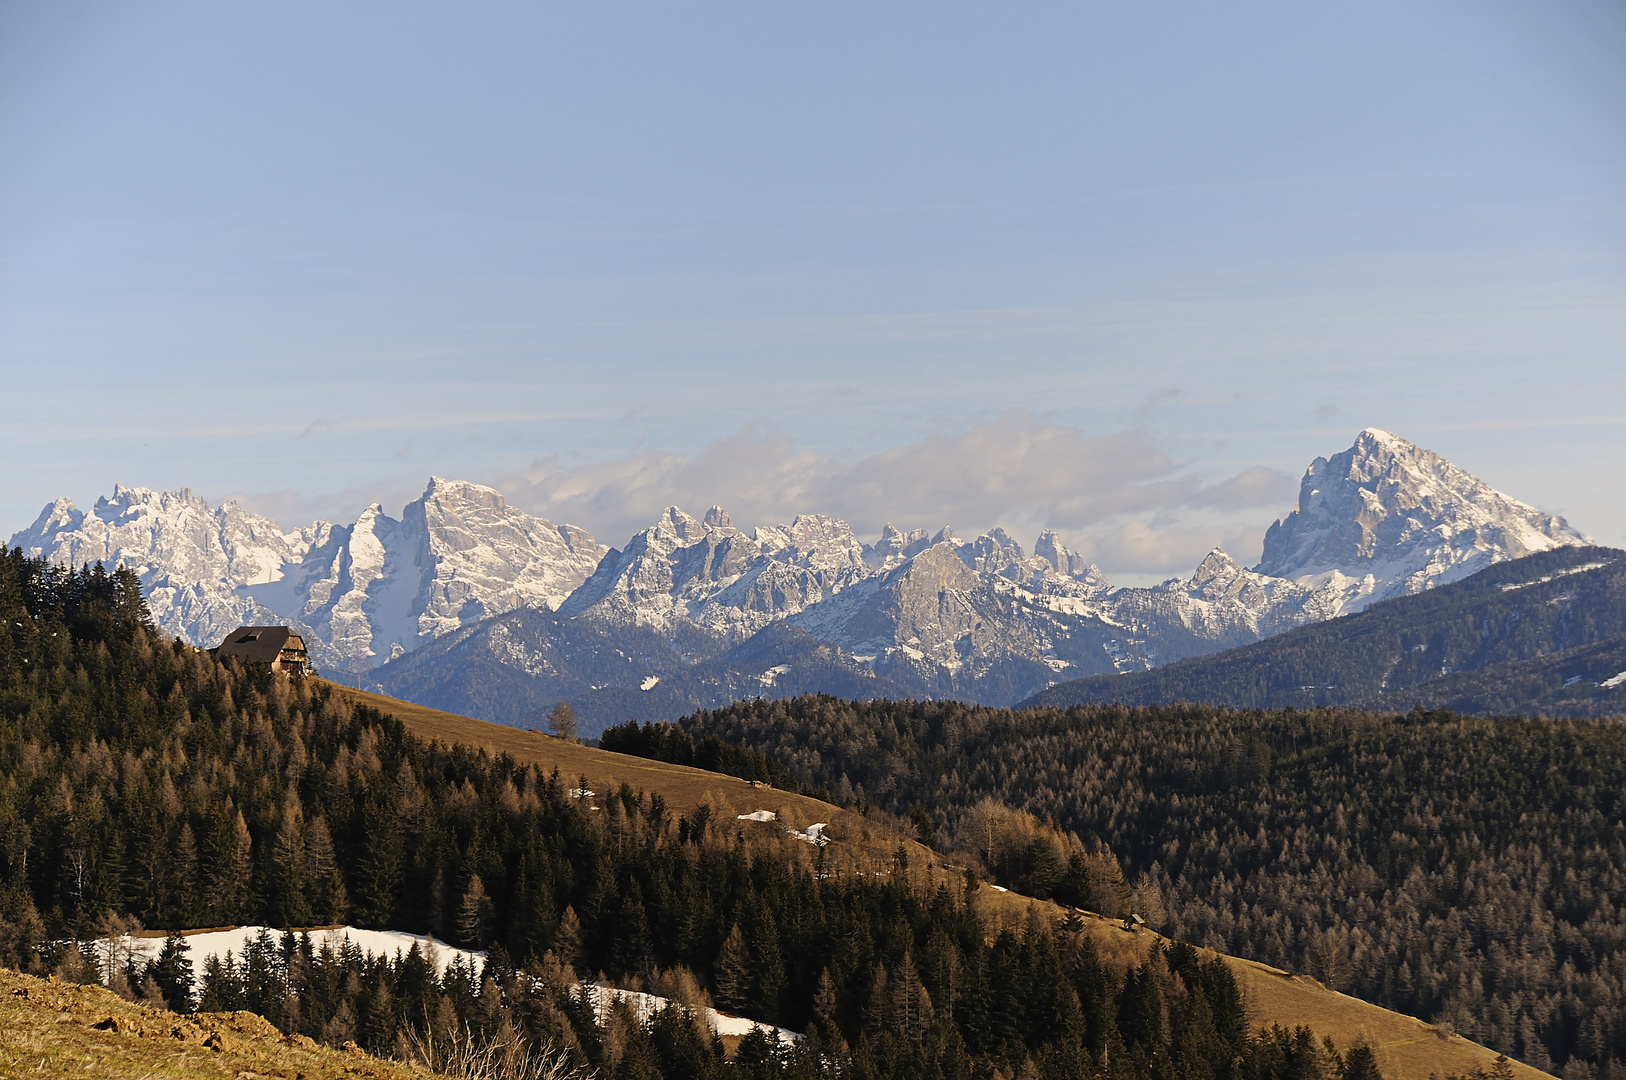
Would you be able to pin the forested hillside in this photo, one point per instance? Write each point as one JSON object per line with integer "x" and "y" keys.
{"x": 145, "y": 779}
{"x": 1467, "y": 871}
{"x": 1541, "y": 635}
{"x": 1583, "y": 681}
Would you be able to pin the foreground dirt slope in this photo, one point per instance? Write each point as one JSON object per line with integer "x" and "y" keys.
{"x": 52, "y": 1028}
{"x": 1407, "y": 1048}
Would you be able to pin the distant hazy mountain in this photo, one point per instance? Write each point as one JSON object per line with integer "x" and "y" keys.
{"x": 469, "y": 604}
{"x": 1543, "y": 634}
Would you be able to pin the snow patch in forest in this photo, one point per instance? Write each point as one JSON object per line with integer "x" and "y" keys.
{"x": 645, "y": 1006}
{"x": 390, "y": 943}
{"x": 204, "y": 944}
{"x": 813, "y": 834}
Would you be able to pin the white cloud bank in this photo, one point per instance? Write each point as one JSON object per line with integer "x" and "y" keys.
{"x": 1116, "y": 497}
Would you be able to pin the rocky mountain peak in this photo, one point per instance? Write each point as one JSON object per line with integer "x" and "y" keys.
{"x": 463, "y": 493}
{"x": 894, "y": 546}
{"x": 361, "y": 593}
{"x": 1372, "y": 439}
{"x": 1215, "y": 564}
{"x": 61, "y": 514}
{"x": 926, "y": 576}
{"x": 1050, "y": 548}
{"x": 994, "y": 552}
{"x": 477, "y": 556}
{"x": 813, "y": 540}
{"x": 674, "y": 529}
{"x": 1068, "y": 563}
{"x": 1387, "y": 517}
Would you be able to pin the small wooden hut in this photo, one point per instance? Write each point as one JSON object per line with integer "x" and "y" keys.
{"x": 276, "y": 646}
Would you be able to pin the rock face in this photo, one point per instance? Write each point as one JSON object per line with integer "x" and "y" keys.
{"x": 379, "y": 588}
{"x": 708, "y": 576}
{"x": 361, "y": 594}
{"x": 192, "y": 559}
{"x": 1387, "y": 518}
{"x": 523, "y": 613}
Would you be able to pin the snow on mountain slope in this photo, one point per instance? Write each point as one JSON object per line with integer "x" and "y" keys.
{"x": 1223, "y": 602}
{"x": 458, "y": 555}
{"x": 710, "y": 575}
{"x": 980, "y": 619}
{"x": 361, "y": 593}
{"x": 379, "y": 588}
{"x": 1389, "y": 518}
{"x": 490, "y": 557}
{"x": 191, "y": 559}
{"x": 947, "y": 617}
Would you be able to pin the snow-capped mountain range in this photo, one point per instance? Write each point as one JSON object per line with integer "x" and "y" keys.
{"x": 361, "y": 594}
{"x": 452, "y": 580}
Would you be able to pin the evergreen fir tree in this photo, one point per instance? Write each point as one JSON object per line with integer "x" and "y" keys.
{"x": 731, "y": 975}
{"x": 171, "y": 972}
{"x": 329, "y": 898}
{"x": 184, "y": 910}
{"x": 1360, "y": 1064}
{"x": 826, "y": 1006}
{"x": 567, "y": 939}
{"x": 911, "y": 1011}
{"x": 379, "y": 873}
{"x": 768, "y": 980}
{"x": 290, "y": 874}
{"x": 475, "y": 915}
{"x": 878, "y": 1006}
{"x": 630, "y": 949}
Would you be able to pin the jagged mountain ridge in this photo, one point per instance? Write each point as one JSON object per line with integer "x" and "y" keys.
{"x": 709, "y": 574}
{"x": 1545, "y": 634}
{"x": 362, "y": 594}
{"x": 925, "y": 612}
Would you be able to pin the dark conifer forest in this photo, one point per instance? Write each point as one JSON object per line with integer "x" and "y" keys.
{"x": 1471, "y": 872}
{"x": 145, "y": 780}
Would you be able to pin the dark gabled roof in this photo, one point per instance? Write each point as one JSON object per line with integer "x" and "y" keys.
{"x": 260, "y": 643}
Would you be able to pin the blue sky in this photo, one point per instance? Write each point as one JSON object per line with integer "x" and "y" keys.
{"x": 1069, "y": 265}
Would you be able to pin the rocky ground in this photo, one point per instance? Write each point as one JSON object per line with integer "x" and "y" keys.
{"x": 53, "y": 1028}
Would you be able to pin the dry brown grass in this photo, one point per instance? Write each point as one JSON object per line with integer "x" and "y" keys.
{"x": 52, "y": 1028}
{"x": 877, "y": 835}
{"x": 1407, "y": 1048}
